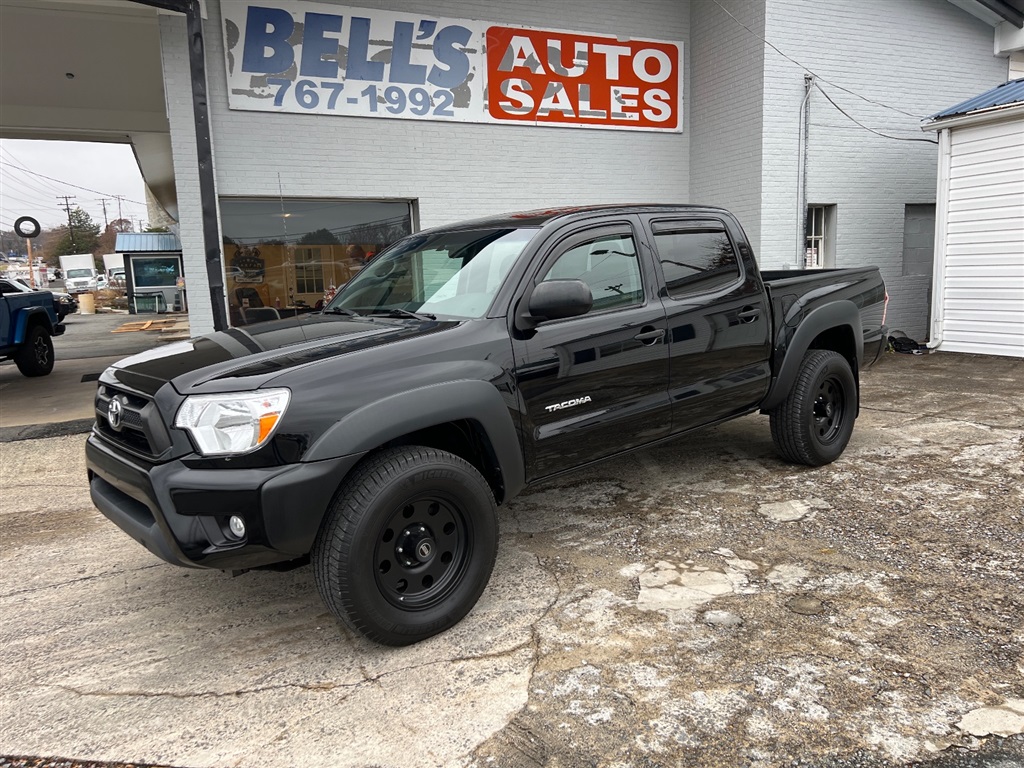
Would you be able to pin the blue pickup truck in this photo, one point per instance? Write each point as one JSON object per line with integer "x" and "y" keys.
{"x": 28, "y": 323}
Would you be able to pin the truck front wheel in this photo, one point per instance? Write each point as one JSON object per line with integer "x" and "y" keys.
{"x": 35, "y": 358}
{"x": 408, "y": 545}
{"x": 814, "y": 423}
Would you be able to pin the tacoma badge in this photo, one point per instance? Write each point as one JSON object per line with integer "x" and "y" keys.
{"x": 568, "y": 404}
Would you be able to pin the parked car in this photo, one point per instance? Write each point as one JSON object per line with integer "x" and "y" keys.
{"x": 28, "y": 324}
{"x": 64, "y": 304}
{"x": 465, "y": 362}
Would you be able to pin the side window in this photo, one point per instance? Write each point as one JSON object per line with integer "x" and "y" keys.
{"x": 696, "y": 260}
{"x": 609, "y": 265}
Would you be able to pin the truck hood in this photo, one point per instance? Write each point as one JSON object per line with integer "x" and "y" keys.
{"x": 217, "y": 360}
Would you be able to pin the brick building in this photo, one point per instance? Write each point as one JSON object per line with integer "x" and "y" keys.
{"x": 801, "y": 117}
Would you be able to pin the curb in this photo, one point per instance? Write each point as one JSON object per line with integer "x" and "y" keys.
{"x": 40, "y": 431}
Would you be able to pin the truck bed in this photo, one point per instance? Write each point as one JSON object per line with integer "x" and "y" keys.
{"x": 795, "y": 293}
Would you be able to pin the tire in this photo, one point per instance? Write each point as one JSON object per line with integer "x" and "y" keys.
{"x": 408, "y": 545}
{"x": 35, "y": 358}
{"x": 813, "y": 424}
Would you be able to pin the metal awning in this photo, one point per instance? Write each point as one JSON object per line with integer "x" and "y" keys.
{"x": 147, "y": 242}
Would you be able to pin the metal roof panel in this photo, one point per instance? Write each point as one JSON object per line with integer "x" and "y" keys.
{"x": 146, "y": 242}
{"x": 1011, "y": 92}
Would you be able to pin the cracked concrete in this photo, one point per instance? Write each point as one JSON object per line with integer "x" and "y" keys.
{"x": 700, "y": 603}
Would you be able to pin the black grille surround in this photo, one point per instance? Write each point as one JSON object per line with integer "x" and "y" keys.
{"x": 141, "y": 431}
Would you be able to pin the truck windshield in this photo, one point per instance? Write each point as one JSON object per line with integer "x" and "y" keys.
{"x": 452, "y": 274}
{"x": 79, "y": 273}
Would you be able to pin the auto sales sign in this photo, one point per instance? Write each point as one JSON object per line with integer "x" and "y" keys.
{"x": 328, "y": 59}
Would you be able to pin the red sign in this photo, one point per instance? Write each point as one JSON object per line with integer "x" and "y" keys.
{"x": 568, "y": 78}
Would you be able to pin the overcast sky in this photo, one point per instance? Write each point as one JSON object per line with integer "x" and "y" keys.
{"x": 87, "y": 170}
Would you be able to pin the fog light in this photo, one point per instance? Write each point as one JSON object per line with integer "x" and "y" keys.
{"x": 237, "y": 526}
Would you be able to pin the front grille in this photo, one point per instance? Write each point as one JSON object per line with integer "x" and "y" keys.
{"x": 135, "y": 432}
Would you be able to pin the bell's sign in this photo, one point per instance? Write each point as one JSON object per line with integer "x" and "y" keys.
{"x": 328, "y": 59}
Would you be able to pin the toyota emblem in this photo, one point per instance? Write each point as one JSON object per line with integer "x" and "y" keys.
{"x": 114, "y": 413}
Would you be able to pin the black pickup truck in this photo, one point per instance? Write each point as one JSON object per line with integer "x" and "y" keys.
{"x": 463, "y": 363}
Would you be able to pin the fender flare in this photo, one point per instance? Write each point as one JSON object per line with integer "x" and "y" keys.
{"x": 836, "y": 314}
{"x": 26, "y": 316}
{"x": 376, "y": 423}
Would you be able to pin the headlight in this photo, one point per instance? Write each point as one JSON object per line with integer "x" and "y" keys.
{"x": 238, "y": 422}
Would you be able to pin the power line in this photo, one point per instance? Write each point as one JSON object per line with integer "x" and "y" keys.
{"x": 47, "y": 190}
{"x": 44, "y": 186}
{"x": 28, "y": 197}
{"x": 816, "y": 75}
{"x": 872, "y": 130}
{"x": 69, "y": 184}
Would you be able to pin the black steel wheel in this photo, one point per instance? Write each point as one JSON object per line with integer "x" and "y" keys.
{"x": 408, "y": 545}
{"x": 814, "y": 423}
{"x": 423, "y": 551}
{"x": 35, "y": 357}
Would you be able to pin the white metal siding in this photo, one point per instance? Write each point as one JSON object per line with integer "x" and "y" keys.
{"x": 983, "y": 270}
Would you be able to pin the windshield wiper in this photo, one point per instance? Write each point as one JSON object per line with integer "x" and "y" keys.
{"x": 397, "y": 312}
{"x": 341, "y": 311}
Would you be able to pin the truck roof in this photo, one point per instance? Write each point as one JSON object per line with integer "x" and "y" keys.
{"x": 540, "y": 217}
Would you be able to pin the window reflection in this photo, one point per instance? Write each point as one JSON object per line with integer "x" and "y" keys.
{"x": 696, "y": 260}
{"x": 288, "y": 256}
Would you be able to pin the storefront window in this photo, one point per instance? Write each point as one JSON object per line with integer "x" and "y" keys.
{"x": 288, "y": 254}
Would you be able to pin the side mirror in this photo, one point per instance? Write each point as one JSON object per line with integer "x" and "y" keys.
{"x": 557, "y": 299}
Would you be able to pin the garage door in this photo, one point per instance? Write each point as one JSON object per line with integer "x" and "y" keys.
{"x": 983, "y": 280}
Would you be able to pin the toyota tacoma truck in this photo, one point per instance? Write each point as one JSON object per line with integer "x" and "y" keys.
{"x": 463, "y": 363}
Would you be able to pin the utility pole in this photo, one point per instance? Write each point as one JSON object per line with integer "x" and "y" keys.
{"x": 103, "y": 202}
{"x": 119, "y": 198}
{"x": 71, "y": 227}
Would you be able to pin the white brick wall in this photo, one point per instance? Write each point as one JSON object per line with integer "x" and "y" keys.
{"x": 738, "y": 147}
{"x": 919, "y": 55}
{"x": 453, "y": 170}
{"x": 457, "y": 170}
{"x": 178, "y": 94}
{"x": 726, "y": 71}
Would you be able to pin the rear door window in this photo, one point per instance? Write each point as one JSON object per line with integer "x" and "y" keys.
{"x": 695, "y": 259}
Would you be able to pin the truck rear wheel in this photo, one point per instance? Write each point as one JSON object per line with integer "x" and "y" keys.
{"x": 35, "y": 358}
{"x": 408, "y": 545}
{"x": 813, "y": 424}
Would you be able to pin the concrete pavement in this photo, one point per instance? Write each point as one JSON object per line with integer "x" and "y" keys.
{"x": 700, "y": 603}
{"x": 34, "y": 407}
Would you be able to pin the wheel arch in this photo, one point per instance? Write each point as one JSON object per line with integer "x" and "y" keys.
{"x": 835, "y": 327}
{"x": 28, "y": 318}
{"x": 467, "y": 418}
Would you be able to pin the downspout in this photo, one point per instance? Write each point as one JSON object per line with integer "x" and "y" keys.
{"x": 941, "y": 228}
{"x": 204, "y": 150}
{"x": 801, "y": 173}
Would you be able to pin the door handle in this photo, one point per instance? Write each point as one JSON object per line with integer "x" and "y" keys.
{"x": 748, "y": 314}
{"x": 651, "y": 336}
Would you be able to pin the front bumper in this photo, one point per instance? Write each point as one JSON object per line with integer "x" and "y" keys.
{"x": 180, "y": 513}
